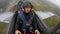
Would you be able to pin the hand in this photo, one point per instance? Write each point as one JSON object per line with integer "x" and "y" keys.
{"x": 17, "y": 32}
{"x": 37, "y": 32}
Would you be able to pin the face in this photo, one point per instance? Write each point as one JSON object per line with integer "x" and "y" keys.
{"x": 27, "y": 9}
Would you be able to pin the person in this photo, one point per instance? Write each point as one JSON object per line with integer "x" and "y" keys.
{"x": 26, "y": 20}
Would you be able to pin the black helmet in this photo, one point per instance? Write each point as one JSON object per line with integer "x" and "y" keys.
{"x": 27, "y": 4}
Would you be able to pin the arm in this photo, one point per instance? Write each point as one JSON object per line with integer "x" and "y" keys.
{"x": 35, "y": 25}
{"x": 18, "y": 25}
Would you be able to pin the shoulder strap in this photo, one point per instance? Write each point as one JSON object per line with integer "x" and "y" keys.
{"x": 31, "y": 15}
{"x": 20, "y": 13}
{"x": 23, "y": 17}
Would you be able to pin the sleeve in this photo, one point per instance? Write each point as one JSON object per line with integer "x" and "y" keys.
{"x": 18, "y": 23}
{"x": 35, "y": 23}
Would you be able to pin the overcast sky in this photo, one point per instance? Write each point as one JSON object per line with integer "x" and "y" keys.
{"x": 57, "y": 2}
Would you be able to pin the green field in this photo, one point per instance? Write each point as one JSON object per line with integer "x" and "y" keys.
{"x": 51, "y": 22}
{"x": 3, "y": 28}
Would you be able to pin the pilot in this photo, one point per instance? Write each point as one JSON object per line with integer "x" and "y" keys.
{"x": 26, "y": 20}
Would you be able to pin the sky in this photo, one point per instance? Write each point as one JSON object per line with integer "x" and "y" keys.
{"x": 57, "y": 2}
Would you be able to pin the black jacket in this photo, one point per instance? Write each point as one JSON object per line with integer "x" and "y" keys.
{"x": 11, "y": 29}
{"x": 25, "y": 17}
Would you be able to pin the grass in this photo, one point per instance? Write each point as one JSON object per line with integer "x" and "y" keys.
{"x": 44, "y": 8}
{"x": 39, "y": 8}
{"x": 3, "y": 28}
{"x": 51, "y": 22}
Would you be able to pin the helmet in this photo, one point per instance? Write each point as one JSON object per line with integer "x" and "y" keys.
{"x": 27, "y": 4}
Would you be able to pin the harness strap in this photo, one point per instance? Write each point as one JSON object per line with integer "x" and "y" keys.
{"x": 24, "y": 19}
